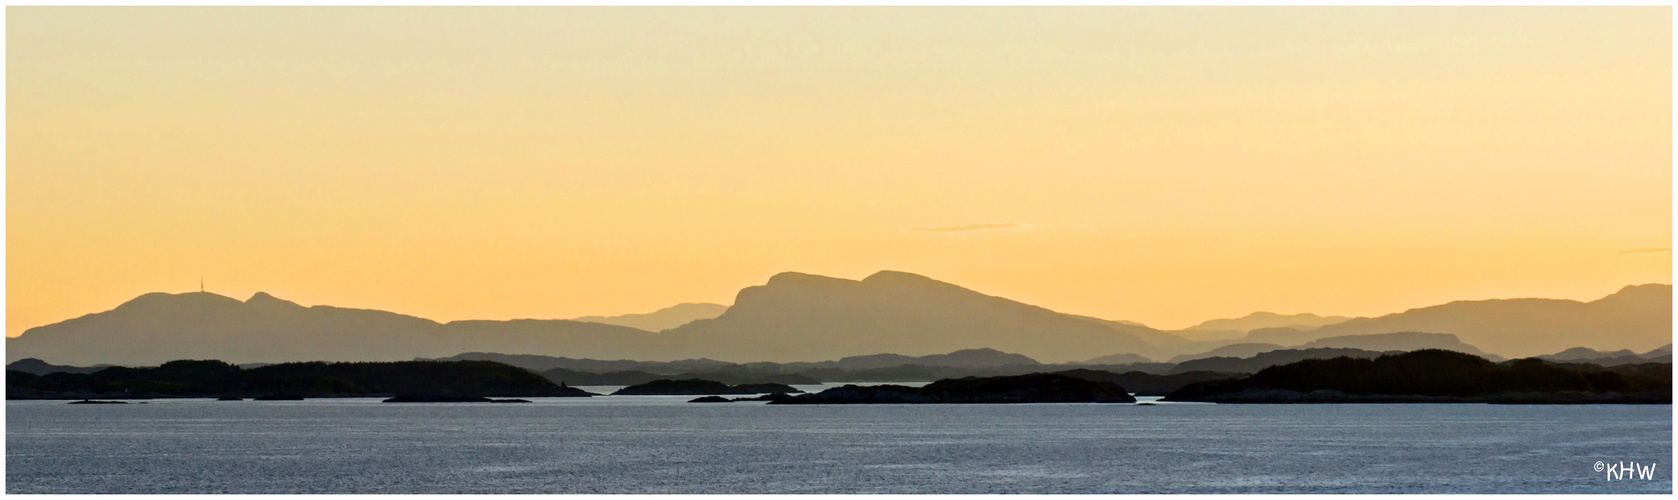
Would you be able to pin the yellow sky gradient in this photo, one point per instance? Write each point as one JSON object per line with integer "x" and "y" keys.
{"x": 1161, "y": 165}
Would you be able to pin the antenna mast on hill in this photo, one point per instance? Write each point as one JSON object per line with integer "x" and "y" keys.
{"x": 200, "y": 285}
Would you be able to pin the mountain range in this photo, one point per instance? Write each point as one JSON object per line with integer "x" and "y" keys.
{"x": 1232, "y": 328}
{"x": 1637, "y": 317}
{"x": 794, "y": 317}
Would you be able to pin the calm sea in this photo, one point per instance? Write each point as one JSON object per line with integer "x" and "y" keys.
{"x": 654, "y": 444}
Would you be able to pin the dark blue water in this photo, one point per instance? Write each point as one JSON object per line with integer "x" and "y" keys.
{"x": 625, "y": 444}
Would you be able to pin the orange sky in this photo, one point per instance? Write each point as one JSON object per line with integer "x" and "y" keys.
{"x": 1161, "y": 165}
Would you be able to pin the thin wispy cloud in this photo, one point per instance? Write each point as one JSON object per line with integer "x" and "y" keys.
{"x": 993, "y": 226}
{"x": 1648, "y": 250}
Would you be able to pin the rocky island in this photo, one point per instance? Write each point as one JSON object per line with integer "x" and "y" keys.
{"x": 697, "y": 387}
{"x": 274, "y": 397}
{"x": 454, "y": 398}
{"x": 1438, "y": 376}
{"x": 288, "y": 381}
{"x": 1031, "y": 388}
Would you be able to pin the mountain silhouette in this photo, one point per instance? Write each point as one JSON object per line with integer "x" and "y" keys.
{"x": 159, "y": 327}
{"x": 1399, "y": 341}
{"x": 1261, "y": 319}
{"x": 542, "y": 363}
{"x": 1376, "y": 343}
{"x": 1243, "y": 350}
{"x": 662, "y": 319}
{"x": 1662, "y": 354}
{"x": 804, "y": 317}
{"x": 1260, "y": 361}
{"x": 1638, "y": 317}
{"x": 794, "y": 317}
{"x": 1117, "y": 359}
{"x": 38, "y": 367}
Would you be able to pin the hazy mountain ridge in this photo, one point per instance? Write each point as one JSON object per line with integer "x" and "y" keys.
{"x": 1661, "y": 354}
{"x": 37, "y": 367}
{"x": 1638, "y": 317}
{"x": 541, "y": 363}
{"x": 1375, "y": 343}
{"x": 662, "y": 319}
{"x": 1243, "y": 350}
{"x": 159, "y": 327}
{"x": 1263, "y": 319}
{"x": 1399, "y": 341}
{"x": 794, "y": 317}
{"x": 957, "y": 359}
{"x": 1260, "y": 361}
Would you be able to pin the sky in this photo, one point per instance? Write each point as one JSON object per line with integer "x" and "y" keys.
{"x": 1160, "y": 165}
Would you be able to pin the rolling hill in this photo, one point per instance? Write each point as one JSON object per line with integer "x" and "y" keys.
{"x": 662, "y": 319}
{"x": 159, "y": 327}
{"x": 1637, "y": 317}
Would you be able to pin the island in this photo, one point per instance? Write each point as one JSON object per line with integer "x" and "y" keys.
{"x": 453, "y": 398}
{"x": 289, "y": 381}
{"x": 699, "y": 387}
{"x": 1030, "y": 388}
{"x": 1438, "y": 376}
{"x": 276, "y": 397}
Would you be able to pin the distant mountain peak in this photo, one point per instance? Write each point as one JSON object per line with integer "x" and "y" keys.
{"x": 791, "y": 278}
{"x": 264, "y": 299}
{"x": 798, "y": 316}
{"x": 158, "y": 298}
{"x": 1638, "y": 294}
{"x": 1646, "y": 287}
{"x": 888, "y": 276}
{"x": 1266, "y": 319}
{"x": 662, "y": 319}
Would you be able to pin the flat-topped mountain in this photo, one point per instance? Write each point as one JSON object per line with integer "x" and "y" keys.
{"x": 804, "y": 317}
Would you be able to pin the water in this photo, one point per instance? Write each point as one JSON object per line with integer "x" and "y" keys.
{"x": 654, "y": 444}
